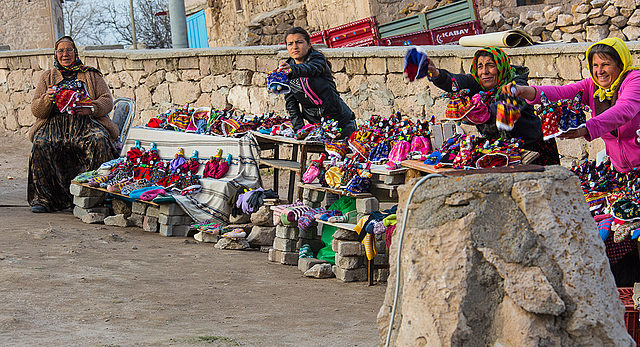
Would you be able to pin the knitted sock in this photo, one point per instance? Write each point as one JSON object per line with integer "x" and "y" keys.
{"x": 305, "y": 252}
{"x": 119, "y": 176}
{"x": 338, "y": 219}
{"x": 86, "y": 176}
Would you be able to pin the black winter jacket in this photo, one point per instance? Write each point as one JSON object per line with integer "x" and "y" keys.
{"x": 314, "y": 75}
{"x": 528, "y": 127}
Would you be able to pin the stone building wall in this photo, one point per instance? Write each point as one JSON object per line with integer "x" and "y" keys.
{"x": 30, "y": 24}
{"x": 369, "y": 79}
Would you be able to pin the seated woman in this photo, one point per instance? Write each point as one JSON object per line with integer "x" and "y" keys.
{"x": 613, "y": 93}
{"x": 490, "y": 70}
{"x": 67, "y": 143}
{"x": 313, "y": 91}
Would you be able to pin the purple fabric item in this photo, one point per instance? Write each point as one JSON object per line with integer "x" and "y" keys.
{"x": 176, "y": 163}
{"x": 246, "y": 208}
{"x": 624, "y": 116}
{"x": 309, "y": 217}
{"x": 151, "y": 194}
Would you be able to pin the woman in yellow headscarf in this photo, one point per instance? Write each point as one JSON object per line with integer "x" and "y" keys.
{"x": 613, "y": 93}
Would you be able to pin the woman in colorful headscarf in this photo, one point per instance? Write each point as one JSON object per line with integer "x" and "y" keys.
{"x": 490, "y": 70}
{"x": 613, "y": 93}
{"x": 72, "y": 133}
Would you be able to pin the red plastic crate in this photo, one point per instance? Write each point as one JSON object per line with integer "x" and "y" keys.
{"x": 631, "y": 315}
{"x": 419, "y": 38}
{"x": 450, "y": 34}
{"x": 319, "y": 37}
{"x": 361, "y": 33}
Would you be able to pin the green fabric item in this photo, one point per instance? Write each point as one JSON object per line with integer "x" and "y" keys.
{"x": 345, "y": 204}
{"x": 160, "y": 199}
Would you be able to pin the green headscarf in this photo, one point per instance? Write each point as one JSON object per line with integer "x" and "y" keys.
{"x": 506, "y": 72}
{"x": 620, "y": 47}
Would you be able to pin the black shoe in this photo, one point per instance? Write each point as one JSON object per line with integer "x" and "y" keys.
{"x": 39, "y": 209}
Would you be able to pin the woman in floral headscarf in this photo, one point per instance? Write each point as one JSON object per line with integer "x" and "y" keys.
{"x": 490, "y": 70}
{"x": 72, "y": 132}
{"x": 613, "y": 93}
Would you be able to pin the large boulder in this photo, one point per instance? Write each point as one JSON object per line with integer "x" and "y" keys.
{"x": 519, "y": 262}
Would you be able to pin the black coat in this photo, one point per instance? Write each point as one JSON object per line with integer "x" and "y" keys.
{"x": 528, "y": 127}
{"x": 316, "y": 73}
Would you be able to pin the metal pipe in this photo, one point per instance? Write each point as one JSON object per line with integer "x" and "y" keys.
{"x": 178, "y": 18}
{"x": 133, "y": 26}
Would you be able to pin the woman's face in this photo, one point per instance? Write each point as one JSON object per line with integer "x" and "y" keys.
{"x": 65, "y": 53}
{"x": 605, "y": 70}
{"x": 488, "y": 72}
{"x": 297, "y": 47}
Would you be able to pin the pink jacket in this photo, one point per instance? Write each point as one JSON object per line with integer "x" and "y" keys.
{"x": 623, "y": 150}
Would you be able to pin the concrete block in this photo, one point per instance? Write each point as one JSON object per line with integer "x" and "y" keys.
{"x": 174, "y": 220}
{"x": 150, "y": 224}
{"x": 119, "y": 220}
{"x": 305, "y": 264}
{"x": 79, "y": 211}
{"x": 311, "y": 204}
{"x": 136, "y": 219}
{"x": 174, "y": 230}
{"x": 285, "y": 245}
{"x": 381, "y": 259}
{"x": 344, "y": 234}
{"x": 272, "y": 255}
{"x": 88, "y": 201}
{"x": 313, "y": 195}
{"x": 286, "y": 258}
{"x": 367, "y": 205}
{"x": 352, "y": 275}
{"x": 153, "y": 211}
{"x": 78, "y": 190}
{"x": 139, "y": 208}
{"x": 285, "y": 232}
{"x": 349, "y": 248}
{"x": 380, "y": 275}
{"x": 171, "y": 209}
{"x": 349, "y": 263}
{"x": 121, "y": 207}
{"x": 93, "y": 218}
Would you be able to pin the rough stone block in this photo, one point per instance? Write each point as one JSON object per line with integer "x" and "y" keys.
{"x": 174, "y": 230}
{"x": 263, "y": 217}
{"x": 207, "y": 237}
{"x": 367, "y": 205}
{"x": 245, "y": 227}
{"x": 136, "y": 219}
{"x": 286, "y": 232}
{"x": 240, "y": 219}
{"x": 265, "y": 249}
{"x": 286, "y": 258}
{"x": 78, "y": 190}
{"x": 172, "y": 209}
{"x": 313, "y": 195}
{"x": 79, "y": 211}
{"x": 285, "y": 245}
{"x": 272, "y": 255}
{"x": 310, "y": 233}
{"x": 349, "y": 262}
{"x": 232, "y": 243}
{"x": 121, "y": 207}
{"x": 305, "y": 264}
{"x": 93, "y": 218}
{"x": 353, "y": 275}
{"x": 320, "y": 271}
{"x": 380, "y": 275}
{"x": 88, "y": 201}
{"x": 311, "y": 203}
{"x": 350, "y": 248}
{"x": 173, "y": 220}
{"x": 153, "y": 211}
{"x": 119, "y": 220}
{"x": 344, "y": 234}
{"x": 261, "y": 236}
{"x": 150, "y": 224}
{"x": 139, "y": 207}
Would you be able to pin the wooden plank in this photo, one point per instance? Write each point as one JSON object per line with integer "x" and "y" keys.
{"x": 420, "y": 166}
{"x": 283, "y": 139}
{"x": 315, "y": 186}
{"x": 345, "y": 226}
{"x": 126, "y": 197}
{"x": 281, "y": 164}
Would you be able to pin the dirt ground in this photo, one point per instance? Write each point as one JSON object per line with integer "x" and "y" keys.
{"x": 66, "y": 283}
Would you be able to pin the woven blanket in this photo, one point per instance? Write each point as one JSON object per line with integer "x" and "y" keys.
{"x": 212, "y": 201}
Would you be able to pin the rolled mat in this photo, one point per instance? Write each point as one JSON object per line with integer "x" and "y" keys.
{"x": 504, "y": 39}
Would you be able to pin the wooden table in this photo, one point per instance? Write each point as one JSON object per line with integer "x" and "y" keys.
{"x": 417, "y": 167}
{"x": 296, "y": 166}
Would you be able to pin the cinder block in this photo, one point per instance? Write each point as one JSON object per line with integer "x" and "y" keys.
{"x": 353, "y": 275}
{"x": 286, "y": 258}
{"x": 78, "y": 190}
{"x": 344, "y": 234}
{"x": 139, "y": 208}
{"x": 350, "y": 248}
{"x": 153, "y": 211}
{"x": 80, "y": 212}
{"x": 313, "y": 195}
{"x": 150, "y": 224}
{"x": 285, "y": 245}
{"x": 349, "y": 263}
{"x": 136, "y": 219}
{"x": 312, "y": 204}
{"x": 367, "y": 205}
{"x": 381, "y": 259}
{"x": 172, "y": 209}
{"x": 272, "y": 255}
{"x": 174, "y": 230}
{"x": 305, "y": 264}
{"x": 174, "y": 220}
{"x": 285, "y": 232}
{"x": 121, "y": 207}
{"x": 88, "y": 201}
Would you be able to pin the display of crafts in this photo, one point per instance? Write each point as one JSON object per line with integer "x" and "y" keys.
{"x": 473, "y": 152}
{"x": 613, "y": 198}
{"x": 561, "y": 116}
{"x": 141, "y": 174}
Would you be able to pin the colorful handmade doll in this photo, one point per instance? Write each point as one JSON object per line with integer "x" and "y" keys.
{"x": 478, "y": 112}
{"x": 193, "y": 164}
{"x": 314, "y": 170}
{"x": 573, "y": 116}
{"x": 177, "y": 161}
{"x": 278, "y": 82}
{"x": 223, "y": 167}
{"x": 507, "y": 112}
{"x": 464, "y": 157}
{"x": 398, "y": 153}
{"x": 549, "y": 114}
{"x": 459, "y": 104}
{"x": 211, "y": 165}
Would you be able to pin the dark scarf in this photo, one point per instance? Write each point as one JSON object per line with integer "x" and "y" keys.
{"x": 601, "y": 106}
{"x": 76, "y": 67}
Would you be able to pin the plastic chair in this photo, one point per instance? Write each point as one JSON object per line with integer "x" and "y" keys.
{"x": 124, "y": 110}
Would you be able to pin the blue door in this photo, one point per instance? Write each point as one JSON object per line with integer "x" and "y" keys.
{"x": 197, "y": 30}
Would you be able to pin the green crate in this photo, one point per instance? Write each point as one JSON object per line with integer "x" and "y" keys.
{"x": 455, "y": 13}
{"x": 403, "y": 26}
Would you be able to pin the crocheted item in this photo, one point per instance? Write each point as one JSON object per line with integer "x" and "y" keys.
{"x": 604, "y": 227}
{"x": 278, "y": 83}
{"x": 416, "y": 64}
{"x": 459, "y": 103}
{"x": 95, "y": 182}
{"x": 126, "y": 190}
{"x": 305, "y": 252}
{"x": 308, "y": 218}
{"x": 507, "y": 112}
{"x": 478, "y": 111}
{"x": 277, "y": 211}
{"x": 85, "y": 176}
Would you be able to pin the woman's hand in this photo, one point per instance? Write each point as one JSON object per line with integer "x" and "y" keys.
{"x": 433, "y": 70}
{"x": 525, "y": 92}
{"x": 284, "y": 67}
{"x": 574, "y": 134}
{"x": 51, "y": 93}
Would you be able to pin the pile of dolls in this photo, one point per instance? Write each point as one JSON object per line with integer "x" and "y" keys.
{"x": 613, "y": 198}
{"x": 141, "y": 174}
{"x": 463, "y": 151}
{"x": 561, "y": 116}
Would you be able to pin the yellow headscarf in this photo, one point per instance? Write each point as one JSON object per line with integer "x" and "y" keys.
{"x": 620, "y": 47}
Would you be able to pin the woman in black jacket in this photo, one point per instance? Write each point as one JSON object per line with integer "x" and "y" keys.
{"x": 490, "y": 70}
{"x": 313, "y": 92}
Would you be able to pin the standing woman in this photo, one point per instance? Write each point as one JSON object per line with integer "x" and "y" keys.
{"x": 313, "y": 91}
{"x": 66, "y": 144}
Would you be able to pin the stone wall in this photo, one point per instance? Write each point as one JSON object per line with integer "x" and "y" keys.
{"x": 369, "y": 79}
{"x": 30, "y": 24}
{"x": 585, "y": 21}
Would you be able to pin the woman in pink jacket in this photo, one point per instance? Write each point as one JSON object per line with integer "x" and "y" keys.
{"x": 612, "y": 92}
